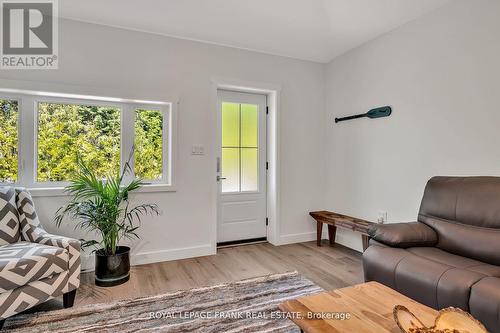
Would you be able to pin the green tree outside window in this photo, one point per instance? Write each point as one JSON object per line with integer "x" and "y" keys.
{"x": 148, "y": 144}
{"x": 8, "y": 140}
{"x": 66, "y": 130}
{"x": 93, "y": 132}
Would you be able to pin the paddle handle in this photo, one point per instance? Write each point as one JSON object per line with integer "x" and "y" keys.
{"x": 361, "y": 115}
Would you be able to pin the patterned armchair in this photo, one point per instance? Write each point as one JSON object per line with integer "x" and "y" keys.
{"x": 35, "y": 266}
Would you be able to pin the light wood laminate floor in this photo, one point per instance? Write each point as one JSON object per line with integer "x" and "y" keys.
{"x": 329, "y": 267}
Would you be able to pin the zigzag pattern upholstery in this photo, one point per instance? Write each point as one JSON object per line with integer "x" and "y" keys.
{"x": 32, "y": 231}
{"x": 9, "y": 218}
{"x": 37, "y": 267}
{"x": 25, "y": 262}
{"x": 34, "y": 293}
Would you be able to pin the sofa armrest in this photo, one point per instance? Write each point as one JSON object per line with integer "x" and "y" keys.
{"x": 72, "y": 246}
{"x": 404, "y": 235}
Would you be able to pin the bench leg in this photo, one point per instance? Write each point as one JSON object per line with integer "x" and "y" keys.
{"x": 319, "y": 231}
{"x": 332, "y": 232}
{"x": 365, "y": 240}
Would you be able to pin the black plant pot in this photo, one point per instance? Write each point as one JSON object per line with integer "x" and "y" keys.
{"x": 112, "y": 270}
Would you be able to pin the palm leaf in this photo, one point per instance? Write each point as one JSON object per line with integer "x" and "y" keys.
{"x": 102, "y": 206}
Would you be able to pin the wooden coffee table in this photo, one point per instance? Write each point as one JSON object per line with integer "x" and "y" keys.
{"x": 369, "y": 306}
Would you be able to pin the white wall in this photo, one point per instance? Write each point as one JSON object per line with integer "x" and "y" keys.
{"x": 441, "y": 75}
{"x": 113, "y": 62}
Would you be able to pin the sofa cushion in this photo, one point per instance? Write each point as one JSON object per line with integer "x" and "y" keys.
{"x": 471, "y": 201}
{"x": 433, "y": 283}
{"x": 9, "y": 219}
{"x": 24, "y": 262}
{"x": 428, "y": 275}
{"x": 474, "y": 242}
{"x": 456, "y": 261}
{"x": 485, "y": 303}
{"x": 380, "y": 262}
{"x": 465, "y": 213}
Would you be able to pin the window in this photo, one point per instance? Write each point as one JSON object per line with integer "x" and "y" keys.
{"x": 240, "y": 151}
{"x": 148, "y": 154}
{"x": 8, "y": 140}
{"x": 66, "y": 130}
{"x": 104, "y": 132}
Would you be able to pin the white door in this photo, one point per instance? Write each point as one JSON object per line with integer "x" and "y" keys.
{"x": 241, "y": 167}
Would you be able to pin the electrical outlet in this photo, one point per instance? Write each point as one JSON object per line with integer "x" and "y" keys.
{"x": 382, "y": 217}
{"x": 198, "y": 150}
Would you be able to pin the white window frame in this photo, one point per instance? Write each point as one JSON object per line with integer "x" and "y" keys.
{"x": 27, "y": 126}
{"x": 166, "y": 133}
{"x": 18, "y": 125}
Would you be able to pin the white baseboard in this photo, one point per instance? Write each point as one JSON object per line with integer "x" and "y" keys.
{"x": 349, "y": 239}
{"x": 142, "y": 258}
{"x": 301, "y": 237}
{"x": 344, "y": 237}
{"x": 87, "y": 262}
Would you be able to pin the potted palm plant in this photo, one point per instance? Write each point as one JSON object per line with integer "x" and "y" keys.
{"x": 102, "y": 206}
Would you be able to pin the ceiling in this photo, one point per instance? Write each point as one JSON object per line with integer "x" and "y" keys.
{"x": 317, "y": 30}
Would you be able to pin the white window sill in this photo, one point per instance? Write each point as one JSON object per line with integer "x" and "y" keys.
{"x": 59, "y": 191}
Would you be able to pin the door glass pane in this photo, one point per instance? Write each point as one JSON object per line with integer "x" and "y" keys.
{"x": 249, "y": 125}
{"x": 231, "y": 169}
{"x": 249, "y": 169}
{"x": 240, "y": 137}
{"x": 230, "y": 125}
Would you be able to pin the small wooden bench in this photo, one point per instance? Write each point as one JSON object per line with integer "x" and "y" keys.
{"x": 334, "y": 220}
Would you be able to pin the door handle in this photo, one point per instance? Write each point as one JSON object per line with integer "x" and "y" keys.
{"x": 219, "y": 178}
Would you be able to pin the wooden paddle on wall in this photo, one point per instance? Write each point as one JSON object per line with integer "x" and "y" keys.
{"x": 384, "y": 111}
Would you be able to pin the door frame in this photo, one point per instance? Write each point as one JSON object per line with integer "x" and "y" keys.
{"x": 272, "y": 92}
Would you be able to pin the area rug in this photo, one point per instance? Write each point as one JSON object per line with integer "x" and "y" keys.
{"x": 244, "y": 306}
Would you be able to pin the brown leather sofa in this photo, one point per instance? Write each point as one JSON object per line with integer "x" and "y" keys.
{"x": 451, "y": 256}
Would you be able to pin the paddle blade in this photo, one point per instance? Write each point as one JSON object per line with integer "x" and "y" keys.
{"x": 384, "y": 111}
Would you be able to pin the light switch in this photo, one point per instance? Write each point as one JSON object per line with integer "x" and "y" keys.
{"x": 198, "y": 150}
